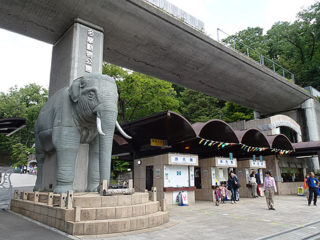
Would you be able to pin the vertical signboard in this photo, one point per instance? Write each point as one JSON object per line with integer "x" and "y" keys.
{"x": 191, "y": 176}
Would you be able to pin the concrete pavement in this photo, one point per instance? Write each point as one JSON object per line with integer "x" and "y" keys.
{"x": 248, "y": 219}
{"x": 17, "y": 227}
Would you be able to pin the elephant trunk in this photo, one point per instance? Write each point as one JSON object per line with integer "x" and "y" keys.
{"x": 107, "y": 125}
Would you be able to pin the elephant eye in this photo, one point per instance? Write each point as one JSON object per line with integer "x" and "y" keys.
{"x": 91, "y": 95}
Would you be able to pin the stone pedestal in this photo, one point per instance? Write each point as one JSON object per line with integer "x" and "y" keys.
{"x": 79, "y": 51}
{"x": 92, "y": 214}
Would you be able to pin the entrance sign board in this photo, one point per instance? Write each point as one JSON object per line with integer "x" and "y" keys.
{"x": 225, "y": 162}
{"x": 257, "y": 164}
{"x": 183, "y": 160}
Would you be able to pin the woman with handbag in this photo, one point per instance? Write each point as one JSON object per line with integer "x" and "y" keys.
{"x": 233, "y": 184}
{"x": 269, "y": 189}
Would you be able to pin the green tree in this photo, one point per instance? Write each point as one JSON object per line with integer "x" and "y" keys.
{"x": 199, "y": 107}
{"x": 119, "y": 167}
{"x": 25, "y": 103}
{"x": 249, "y": 38}
{"x": 295, "y": 46}
{"x": 233, "y": 112}
{"x": 20, "y": 153}
{"x": 141, "y": 95}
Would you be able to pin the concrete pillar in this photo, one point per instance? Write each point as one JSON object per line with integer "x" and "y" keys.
{"x": 36, "y": 196}
{"x": 312, "y": 115}
{"x": 77, "y": 214}
{"x": 103, "y": 187}
{"x": 256, "y": 115}
{"x": 62, "y": 200}
{"x": 69, "y": 200}
{"x": 50, "y": 198}
{"x": 78, "y": 51}
{"x": 16, "y": 194}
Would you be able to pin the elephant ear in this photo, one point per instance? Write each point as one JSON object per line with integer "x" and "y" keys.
{"x": 74, "y": 89}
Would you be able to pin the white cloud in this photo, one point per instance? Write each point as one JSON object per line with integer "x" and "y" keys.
{"x": 284, "y": 10}
{"x": 24, "y": 60}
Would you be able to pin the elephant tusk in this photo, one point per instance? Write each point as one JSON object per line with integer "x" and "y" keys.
{"x": 99, "y": 127}
{"x": 121, "y": 131}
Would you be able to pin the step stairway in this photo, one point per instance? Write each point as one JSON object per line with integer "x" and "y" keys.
{"x": 92, "y": 214}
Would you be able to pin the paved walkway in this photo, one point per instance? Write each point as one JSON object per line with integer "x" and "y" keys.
{"x": 248, "y": 219}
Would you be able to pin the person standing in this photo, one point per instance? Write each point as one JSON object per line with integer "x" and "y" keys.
{"x": 269, "y": 189}
{"x": 258, "y": 181}
{"x": 217, "y": 193}
{"x": 306, "y": 187}
{"x": 253, "y": 184}
{"x": 313, "y": 191}
{"x": 223, "y": 192}
{"x": 233, "y": 186}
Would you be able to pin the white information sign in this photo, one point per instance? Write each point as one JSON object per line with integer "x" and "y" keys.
{"x": 257, "y": 164}
{"x": 176, "y": 176}
{"x": 226, "y": 162}
{"x": 183, "y": 160}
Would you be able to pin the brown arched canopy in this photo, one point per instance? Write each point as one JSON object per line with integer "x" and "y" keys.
{"x": 168, "y": 126}
{"x": 252, "y": 137}
{"x": 216, "y": 130}
{"x": 279, "y": 141}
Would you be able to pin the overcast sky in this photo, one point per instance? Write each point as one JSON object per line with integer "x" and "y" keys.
{"x": 24, "y": 60}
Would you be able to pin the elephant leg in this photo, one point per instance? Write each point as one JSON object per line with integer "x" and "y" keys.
{"x": 40, "y": 159}
{"x": 93, "y": 170}
{"x": 67, "y": 142}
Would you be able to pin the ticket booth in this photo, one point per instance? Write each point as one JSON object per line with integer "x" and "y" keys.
{"x": 245, "y": 168}
{"x": 170, "y": 173}
{"x": 213, "y": 172}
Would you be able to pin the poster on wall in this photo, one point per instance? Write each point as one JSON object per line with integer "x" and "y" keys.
{"x": 214, "y": 179}
{"x": 247, "y": 176}
{"x": 180, "y": 196}
{"x": 176, "y": 176}
{"x": 184, "y": 196}
{"x": 261, "y": 175}
{"x": 157, "y": 173}
{"x": 191, "y": 176}
{"x": 205, "y": 173}
{"x": 175, "y": 198}
{"x": 221, "y": 177}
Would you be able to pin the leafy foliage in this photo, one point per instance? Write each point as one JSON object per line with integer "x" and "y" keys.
{"x": 295, "y": 46}
{"x": 119, "y": 167}
{"x": 233, "y": 112}
{"x": 141, "y": 95}
{"x": 20, "y": 153}
{"x": 25, "y": 103}
{"x": 198, "y": 107}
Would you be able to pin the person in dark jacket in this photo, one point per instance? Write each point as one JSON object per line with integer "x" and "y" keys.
{"x": 233, "y": 186}
{"x": 313, "y": 185}
{"x": 258, "y": 180}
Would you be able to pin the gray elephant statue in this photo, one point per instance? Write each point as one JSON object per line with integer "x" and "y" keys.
{"x": 85, "y": 112}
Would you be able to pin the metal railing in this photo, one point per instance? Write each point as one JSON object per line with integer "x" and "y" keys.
{"x": 257, "y": 56}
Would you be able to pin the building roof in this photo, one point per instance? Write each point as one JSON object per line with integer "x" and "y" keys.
{"x": 180, "y": 136}
{"x": 216, "y": 130}
{"x": 280, "y": 141}
{"x": 9, "y": 126}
